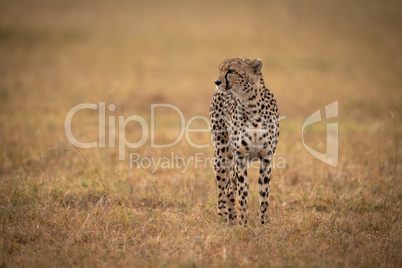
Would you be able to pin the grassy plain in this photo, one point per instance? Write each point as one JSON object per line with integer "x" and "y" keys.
{"x": 55, "y": 210}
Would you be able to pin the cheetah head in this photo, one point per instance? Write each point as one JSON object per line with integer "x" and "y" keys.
{"x": 239, "y": 75}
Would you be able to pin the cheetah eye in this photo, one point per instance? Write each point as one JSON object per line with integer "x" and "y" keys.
{"x": 230, "y": 71}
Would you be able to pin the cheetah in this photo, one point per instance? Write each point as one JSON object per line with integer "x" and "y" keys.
{"x": 244, "y": 126}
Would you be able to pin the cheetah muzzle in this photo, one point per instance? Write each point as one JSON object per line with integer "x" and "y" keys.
{"x": 245, "y": 127}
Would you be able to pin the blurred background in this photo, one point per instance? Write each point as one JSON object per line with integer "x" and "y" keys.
{"x": 58, "y": 54}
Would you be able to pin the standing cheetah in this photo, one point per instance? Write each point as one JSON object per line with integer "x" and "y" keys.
{"x": 245, "y": 126}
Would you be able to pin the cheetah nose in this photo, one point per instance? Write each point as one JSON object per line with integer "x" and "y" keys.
{"x": 217, "y": 82}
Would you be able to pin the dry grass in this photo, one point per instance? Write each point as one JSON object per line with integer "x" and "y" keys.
{"x": 56, "y": 211}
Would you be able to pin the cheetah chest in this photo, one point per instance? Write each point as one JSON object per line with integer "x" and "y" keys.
{"x": 255, "y": 139}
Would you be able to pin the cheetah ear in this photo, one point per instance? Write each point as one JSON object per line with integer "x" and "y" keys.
{"x": 256, "y": 64}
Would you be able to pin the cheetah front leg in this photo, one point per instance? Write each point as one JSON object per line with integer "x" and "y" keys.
{"x": 231, "y": 194}
{"x": 222, "y": 178}
{"x": 222, "y": 171}
{"x": 242, "y": 187}
{"x": 263, "y": 187}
